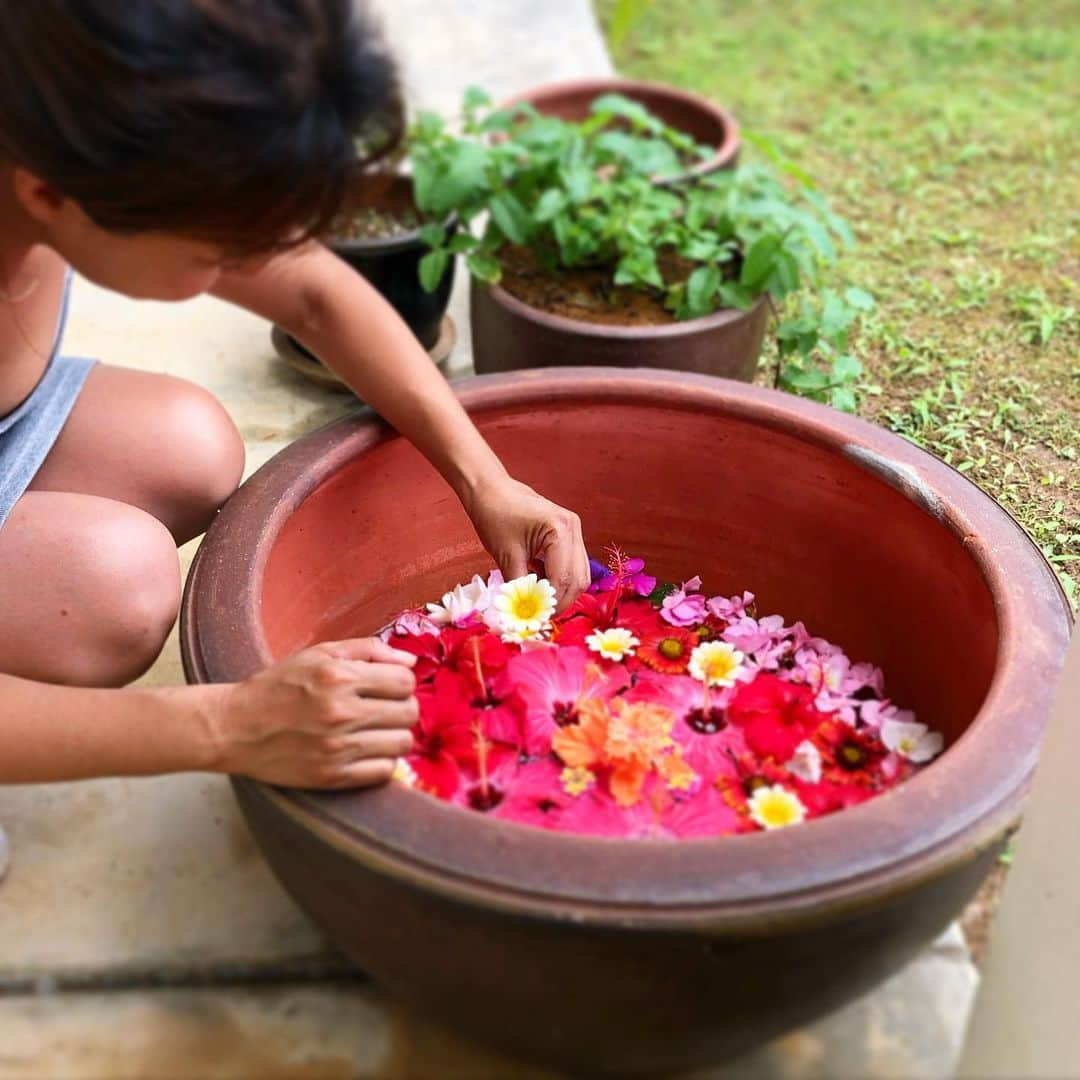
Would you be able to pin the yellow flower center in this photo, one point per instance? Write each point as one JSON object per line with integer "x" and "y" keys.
{"x": 526, "y": 606}
{"x": 576, "y": 781}
{"x": 670, "y": 648}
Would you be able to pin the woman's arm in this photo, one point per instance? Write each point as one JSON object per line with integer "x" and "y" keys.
{"x": 335, "y": 715}
{"x": 327, "y": 305}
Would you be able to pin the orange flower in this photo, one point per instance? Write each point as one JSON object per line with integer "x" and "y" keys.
{"x": 581, "y": 745}
{"x": 631, "y": 740}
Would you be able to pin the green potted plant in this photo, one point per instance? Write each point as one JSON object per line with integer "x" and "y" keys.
{"x": 582, "y": 251}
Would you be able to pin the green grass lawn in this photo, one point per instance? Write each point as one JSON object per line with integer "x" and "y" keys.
{"x": 948, "y": 135}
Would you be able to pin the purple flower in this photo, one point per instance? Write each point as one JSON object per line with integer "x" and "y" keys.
{"x": 603, "y": 580}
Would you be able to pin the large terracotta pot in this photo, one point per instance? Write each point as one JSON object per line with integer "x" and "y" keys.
{"x": 708, "y": 123}
{"x": 624, "y": 957}
{"x": 508, "y": 335}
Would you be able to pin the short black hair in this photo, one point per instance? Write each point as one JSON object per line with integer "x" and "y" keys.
{"x": 238, "y": 122}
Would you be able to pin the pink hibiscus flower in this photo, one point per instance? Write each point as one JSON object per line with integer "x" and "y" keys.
{"x": 549, "y": 683}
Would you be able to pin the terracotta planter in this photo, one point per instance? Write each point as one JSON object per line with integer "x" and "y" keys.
{"x": 705, "y": 121}
{"x": 624, "y": 957}
{"x": 508, "y": 334}
{"x": 392, "y": 264}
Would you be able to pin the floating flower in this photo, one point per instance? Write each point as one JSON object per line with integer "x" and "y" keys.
{"x": 576, "y": 779}
{"x": 805, "y": 763}
{"x": 404, "y": 773}
{"x": 668, "y": 651}
{"x": 615, "y": 644}
{"x": 913, "y": 741}
{"x": 633, "y": 577}
{"x": 716, "y": 663}
{"x": 774, "y": 807}
{"x": 775, "y": 716}
{"x": 685, "y": 606}
{"x": 413, "y": 623}
{"x": 445, "y": 741}
{"x": 850, "y": 755}
{"x": 704, "y": 720}
{"x": 465, "y": 604}
{"x": 731, "y": 609}
{"x": 524, "y": 605}
{"x": 527, "y": 637}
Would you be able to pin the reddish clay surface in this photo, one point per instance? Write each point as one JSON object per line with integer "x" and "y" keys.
{"x": 708, "y": 123}
{"x": 628, "y": 956}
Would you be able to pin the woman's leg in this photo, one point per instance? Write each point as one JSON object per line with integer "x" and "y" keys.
{"x": 155, "y": 442}
{"x": 89, "y": 589}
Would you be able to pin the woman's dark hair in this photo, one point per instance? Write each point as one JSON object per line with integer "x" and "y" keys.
{"x": 232, "y": 121}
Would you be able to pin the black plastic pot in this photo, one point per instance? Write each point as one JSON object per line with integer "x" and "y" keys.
{"x": 392, "y": 264}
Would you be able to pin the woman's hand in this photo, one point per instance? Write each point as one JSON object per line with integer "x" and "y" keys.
{"x": 518, "y": 527}
{"x": 336, "y": 715}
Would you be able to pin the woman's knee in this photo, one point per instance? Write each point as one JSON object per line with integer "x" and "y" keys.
{"x": 209, "y": 457}
{"x": 131, "y": 595}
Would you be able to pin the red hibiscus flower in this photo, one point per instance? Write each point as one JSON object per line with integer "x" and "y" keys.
{"x": 476, "y": 655}
{"x": 775, "y": 716}
{"x": 427, "y": 649}
{"x": 444, "y": 734}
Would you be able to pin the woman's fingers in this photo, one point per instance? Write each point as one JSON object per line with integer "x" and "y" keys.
{"x": 369, "y": 650}
{"x": 376, "y": 744}
{"x": 364, "y": 772}
{"x": 566, "y": 563}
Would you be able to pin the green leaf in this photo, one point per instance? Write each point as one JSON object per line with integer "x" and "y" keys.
{"x": 859, "y": 299}
{"x": 432, "y": 267}
{"x": 836, "y": 317}
{"x": 511, "y": 217}
{"x": 461, "y": 182}
{"x": 661, "y": 592}
{"x": 551, "y": 203}
{"x": 846, "y": 368}
{"x": 759, "y": 262}
{"x": 639, "y": 268}
{"x": 484, "y": 266}
{"x": 462, "y": 242}
{"x": 843, "y": 398}
{"x": 433, "y": 235}
{"x": 701, "y": 288}
{"x": 476, "y": 97}
{"x": 734, "y": 295}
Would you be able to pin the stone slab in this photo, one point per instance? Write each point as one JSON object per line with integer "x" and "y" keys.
{"x": 907, "y": 1029}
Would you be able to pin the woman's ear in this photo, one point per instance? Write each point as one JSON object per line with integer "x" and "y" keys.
{"x": 37, "y": 197}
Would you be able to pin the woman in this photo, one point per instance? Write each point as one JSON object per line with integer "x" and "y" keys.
{"x": 164, "y": 149}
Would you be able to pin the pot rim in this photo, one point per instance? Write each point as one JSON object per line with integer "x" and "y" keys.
{"x": 943, "y": 816}
{"x": 615, "y": 332}
{"x": 725, "y": 153}
{"x": 391, "y": 245}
